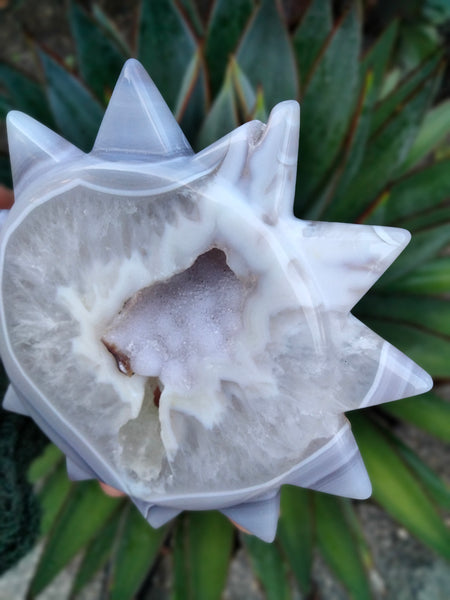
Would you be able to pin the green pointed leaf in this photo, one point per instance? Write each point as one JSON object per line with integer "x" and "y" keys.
{"x": 83, "y": 514}
{"x": 295, "y": 533}
{"x": 340, "y": 545}
{"x": 424, "y": 245}
{"x": 433, "y": 485}
{"x": 385, "y": 154}
{"x": 109, "y": 27}
{"x": 434, "y": 129}
{"x": 396, "y": 488}
{"x": 96, "y": 555}
{"x": 227, "y": 21}
{"x": 427, "y": 411}
{"x": 432, "y": 314}
{"x": 372, "y": 70}
{"x": 222, "y": 117}
{"x": 53, "y": 495}
{"x": 245, "y": 93}
{"x": 429, "y": 350}
{"x": 431, "y": 278}
{"x": 414, "y": 194}
{"x": 99, "y": 59}
{"x": 191, "y": 11}
{"x": 191, "y": 103}
{"x": 269, "y": 567}
{"x": 166, "y": 46}
{"x": 77, "y": 113}
{"x": 25, "y": 94}
{"x": 138, "y": 546}
{"x": 266, "y": 56}
{"x": 395, "y": 100}
{"x": 202, "y": 555}
{"x": 327, "y": 107}
{"x": 377, "y": 57}
{"x": 311, "y": 35}
{"x": 45, "y": 464}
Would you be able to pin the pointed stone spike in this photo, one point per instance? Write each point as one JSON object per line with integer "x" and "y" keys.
{"x": 350, "y": 481}
{"x": 158, "y": 516}
{"x": 12, "y": 402}
{"x": 346, "y": 260}
{"x": 397, "y": 377}
{"x": 33, "y": 147}
{"x": 338, "y": 469}
{"x": 273, "y": 163}
{"x": 229, "y": 155}
{"x": 259, "y": 518}
{"x": 76, "y": 472}
{"x": 138, "y": 122}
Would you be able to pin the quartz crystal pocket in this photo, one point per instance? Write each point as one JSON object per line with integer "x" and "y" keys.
{"x": 174, "y": 329}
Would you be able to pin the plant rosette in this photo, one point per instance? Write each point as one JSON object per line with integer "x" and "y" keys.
{"x": 174, "y": 329}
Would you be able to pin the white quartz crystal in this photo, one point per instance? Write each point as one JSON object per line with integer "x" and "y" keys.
{"x": 170, "y": 324}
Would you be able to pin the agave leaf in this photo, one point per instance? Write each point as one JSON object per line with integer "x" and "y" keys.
{"x": 310, "y": 36}
{"x": 434, "y": 486}
{"x": 82, "y": 515}
{"x": 166, "y": 46}
{"x": 25, "y": 94}
{"x": 222, "y": 117}
{"x": 431, "y": 278}
{"x": 327, "y": 107}
{"x": 260, "y": 113}
{"x": 415, "y": 193}
{"x": 269, "y": 567}
{"x": 425, "y": 245}
{"x": 110, "y": 28}
{"x": 5, "y": 171}
{"x": 372, "y": 70}
{"x": 192, "y": 15}
{"x": 429, "y": 350}
{"x": 385, "y": 153}
{"x": 191, "y": 103}
{"x": 97, "y": 553}
{"x": 77, "y": 113}
{"x": 434, "y": 129}
{"x": 295, "y": 533}
{"x": 431, "y": 314}
{"x": 137, "y": 547}
{"x": 266, "y": 56}
{"x": 396, "y": 488}
{"x": 52, "y": 496}
{"x": 202, "y": 553}
{"x": 99, "y": 58}
{"x": 376, "y": 59}
{"x": 227, "y": 21}
{"x": 245, "y": 93}
{"x": 394, "y": 101}
{"x": 340, "y": 545}
{"x": 428, "y": 412}
{"x": 45, "y": 464}
{"x": 426, "y": 220}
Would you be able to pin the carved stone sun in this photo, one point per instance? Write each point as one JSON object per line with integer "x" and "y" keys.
{"x": 174, "y": 329}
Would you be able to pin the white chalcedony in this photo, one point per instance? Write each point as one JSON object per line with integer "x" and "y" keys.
{"x": 174, "y": 329}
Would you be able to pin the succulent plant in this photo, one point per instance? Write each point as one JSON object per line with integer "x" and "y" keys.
{"x": 367, "y": 155}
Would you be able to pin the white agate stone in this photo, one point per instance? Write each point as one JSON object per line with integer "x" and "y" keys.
{"x": 174, "y": 329}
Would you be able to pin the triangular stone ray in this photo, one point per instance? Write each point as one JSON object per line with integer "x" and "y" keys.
{"x": 345, "y": 260}
{"x": 12, "y": 402}
{"x": 34, "y": 147}
{"x": 138, "y": 123}
{"x": 259, "y": 518}
{"x": 158, "y": 516}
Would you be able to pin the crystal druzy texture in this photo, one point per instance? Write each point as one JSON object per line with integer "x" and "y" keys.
{"x": 174, "y": 329}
